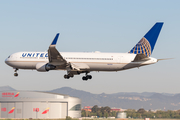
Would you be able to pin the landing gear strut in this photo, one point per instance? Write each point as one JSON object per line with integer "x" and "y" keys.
{"x": 16, "y": 74}
{"x": 86, "y": 77}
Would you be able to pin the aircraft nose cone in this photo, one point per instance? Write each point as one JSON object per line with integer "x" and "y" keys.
{"x": 6, "y": 61}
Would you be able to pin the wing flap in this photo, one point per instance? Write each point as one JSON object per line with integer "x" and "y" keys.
{"x": 80, "y": 66}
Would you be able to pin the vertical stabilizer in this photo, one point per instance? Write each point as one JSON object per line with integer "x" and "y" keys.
{"x": 146, "y": 44}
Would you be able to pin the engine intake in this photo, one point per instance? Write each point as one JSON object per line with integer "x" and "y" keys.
{"x": 44, "y": 67}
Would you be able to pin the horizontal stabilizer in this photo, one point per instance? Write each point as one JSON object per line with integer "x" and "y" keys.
{"x": 165, "y": 59}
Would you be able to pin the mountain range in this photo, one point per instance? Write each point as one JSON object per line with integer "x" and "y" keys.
{"x": 124, "y": 100}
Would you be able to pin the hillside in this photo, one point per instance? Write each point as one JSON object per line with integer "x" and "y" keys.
{"x": 125, "y": 100}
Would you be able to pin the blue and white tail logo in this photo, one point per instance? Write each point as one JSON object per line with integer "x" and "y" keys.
{"x": 146, "y": 44}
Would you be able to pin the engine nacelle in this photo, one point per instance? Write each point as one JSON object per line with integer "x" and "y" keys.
{"x": 44, "y": 67}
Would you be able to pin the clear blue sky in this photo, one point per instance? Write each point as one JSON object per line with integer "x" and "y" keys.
{"x": 93, "y": 25}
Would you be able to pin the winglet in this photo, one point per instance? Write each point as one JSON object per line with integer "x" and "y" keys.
{"x": 54, "y": 55}
{"x": 55, "y": 39}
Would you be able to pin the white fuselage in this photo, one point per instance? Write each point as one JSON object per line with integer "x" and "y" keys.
{"x": 95, "y": 60}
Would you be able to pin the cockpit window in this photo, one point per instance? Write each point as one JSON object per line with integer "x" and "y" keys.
{"x": 9, "y": 57}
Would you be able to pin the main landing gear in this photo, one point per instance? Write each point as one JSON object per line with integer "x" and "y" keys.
{"x": 68, "y": 76}
{"x": 86, "y": 77}
{"x": 16, "y": 74}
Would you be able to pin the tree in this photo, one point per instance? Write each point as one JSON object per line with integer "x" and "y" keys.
{"x": 95, "y": 109}
{"x": 106, "y": 114}
{"x": 141, "y": 111}
{"x": 113, "y": 114}
{"x": 133, "y": 115}
{"x": 83, "y": 113}
{"x": 138, "y": 115}
{"x": 99, "y": 114}
{"x": 107, "y": 109}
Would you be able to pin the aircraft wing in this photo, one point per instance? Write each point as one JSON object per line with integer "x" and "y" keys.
{"x": 140, "y": 57}
{"x": 54, "y": 56}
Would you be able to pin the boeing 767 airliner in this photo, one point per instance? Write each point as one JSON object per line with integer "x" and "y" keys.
{"x": 76, "y": 63}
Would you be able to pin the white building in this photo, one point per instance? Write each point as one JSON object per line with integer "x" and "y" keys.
{"x": 26, "y": 104}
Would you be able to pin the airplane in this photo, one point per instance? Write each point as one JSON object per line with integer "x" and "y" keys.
{"x": 76, "y": 63}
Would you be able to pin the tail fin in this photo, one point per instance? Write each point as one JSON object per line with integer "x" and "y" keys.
{"x": 146, "y": 44}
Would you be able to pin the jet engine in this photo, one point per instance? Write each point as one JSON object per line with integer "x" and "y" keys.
{"x": 44, "y": 67}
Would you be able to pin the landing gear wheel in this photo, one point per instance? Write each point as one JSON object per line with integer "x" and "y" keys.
{"x": 84, "y": 78}
{"x": 16, "y": 74}
{"x": 89, "y": 76}
{"x": 71, "y": 75}
{"x": 66, "y": 77}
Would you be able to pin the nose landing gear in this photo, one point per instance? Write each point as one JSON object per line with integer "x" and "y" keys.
{"x": 16, "y": 74}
